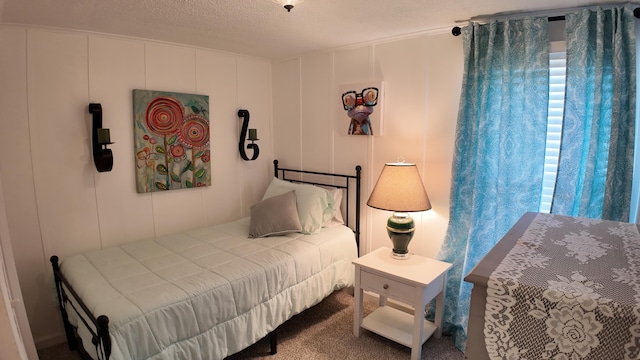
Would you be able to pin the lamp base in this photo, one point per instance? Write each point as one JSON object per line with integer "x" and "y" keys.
{"x": 399, "y": 256}
{"x": 400, "y": 228}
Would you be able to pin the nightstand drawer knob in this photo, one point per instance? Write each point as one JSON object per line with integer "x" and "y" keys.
{"x": 385, "y": 286}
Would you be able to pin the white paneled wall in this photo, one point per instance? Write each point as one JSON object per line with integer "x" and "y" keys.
{"x": 258, "y": 100}
{"x": 58, "y": 93}
{"x": 219, "y": 79}
{"x": 444, "y": 82}
{"x": 57, "y": 203}
{"x": 118, "y": 64}
{"x": 18, "y": 180}
{"x": 316, "y": 123}
{"x": 422, "y": 78}
{"x": 287, "y": 122}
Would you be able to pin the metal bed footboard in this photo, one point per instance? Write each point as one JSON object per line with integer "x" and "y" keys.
{"x": 99, "y": 327}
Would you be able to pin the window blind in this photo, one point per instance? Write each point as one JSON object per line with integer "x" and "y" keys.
{"x": 557, "y": 72}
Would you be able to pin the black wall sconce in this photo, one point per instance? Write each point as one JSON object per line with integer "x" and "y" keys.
{"x": 100, "y": 138}
{"x": 253, "y": 136}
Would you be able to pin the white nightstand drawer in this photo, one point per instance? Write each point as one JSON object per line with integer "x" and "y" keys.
{"x": 387, "y": 287}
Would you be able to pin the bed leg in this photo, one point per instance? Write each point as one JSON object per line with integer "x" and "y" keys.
{"x": 273, "y": 338}
{"x": 68, "y": 328}
{"x": 103, "y": 333}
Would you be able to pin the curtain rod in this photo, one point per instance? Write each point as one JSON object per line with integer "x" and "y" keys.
{"x": 456, "y": 30}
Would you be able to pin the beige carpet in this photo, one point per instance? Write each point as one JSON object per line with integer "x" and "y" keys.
{"x": 322, "y": 332}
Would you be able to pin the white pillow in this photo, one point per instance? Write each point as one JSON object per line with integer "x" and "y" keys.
{"x": 315, "y": 205}
{"x": 337, "y": 218}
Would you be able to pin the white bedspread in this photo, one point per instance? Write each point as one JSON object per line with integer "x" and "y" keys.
{"x": 210, "y": 292}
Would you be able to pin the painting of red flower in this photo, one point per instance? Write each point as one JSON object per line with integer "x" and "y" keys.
{"x": 171, "y": 134}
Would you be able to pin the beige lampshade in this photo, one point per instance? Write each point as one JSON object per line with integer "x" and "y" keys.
{"x": 399, "y": 188}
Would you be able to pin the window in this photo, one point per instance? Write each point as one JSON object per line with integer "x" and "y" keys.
{"x": 557, "y": 72}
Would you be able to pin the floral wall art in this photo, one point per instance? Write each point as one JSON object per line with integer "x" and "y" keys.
{"x": 171, "y": 134}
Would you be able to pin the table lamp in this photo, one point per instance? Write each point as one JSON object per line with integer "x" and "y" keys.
{"x": 400, "y": 189}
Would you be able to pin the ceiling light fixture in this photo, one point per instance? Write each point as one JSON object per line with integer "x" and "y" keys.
{"x": 288, "y": 4}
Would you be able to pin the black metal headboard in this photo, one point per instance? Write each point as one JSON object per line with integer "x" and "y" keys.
{"x": 343, "y": 182}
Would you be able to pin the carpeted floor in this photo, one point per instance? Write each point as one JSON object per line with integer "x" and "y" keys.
{"x": 322, "y": 332}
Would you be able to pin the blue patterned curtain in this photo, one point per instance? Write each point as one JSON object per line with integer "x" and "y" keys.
{"x": 499, "y": 148}
{"x": 596, "y": 155}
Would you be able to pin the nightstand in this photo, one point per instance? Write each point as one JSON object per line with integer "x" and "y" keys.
{"x": 414, "y": 281}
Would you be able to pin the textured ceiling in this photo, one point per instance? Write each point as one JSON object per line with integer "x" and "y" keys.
{"x": 262, "y": 27}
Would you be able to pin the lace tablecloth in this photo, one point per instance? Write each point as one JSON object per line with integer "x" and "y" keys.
{"x": 568, "y": 289}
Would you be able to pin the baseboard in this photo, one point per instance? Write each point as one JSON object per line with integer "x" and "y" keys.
{"x": 51, "y": 340}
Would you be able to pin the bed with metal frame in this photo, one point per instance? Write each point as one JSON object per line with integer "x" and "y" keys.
{"x": 98, "y": 324}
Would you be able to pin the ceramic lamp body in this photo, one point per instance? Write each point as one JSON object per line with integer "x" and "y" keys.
{"x": 400, "y": 228}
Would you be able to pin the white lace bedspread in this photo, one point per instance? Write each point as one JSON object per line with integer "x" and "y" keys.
{"x": 210, "y": 292}
{"x": 568, "y": 289}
